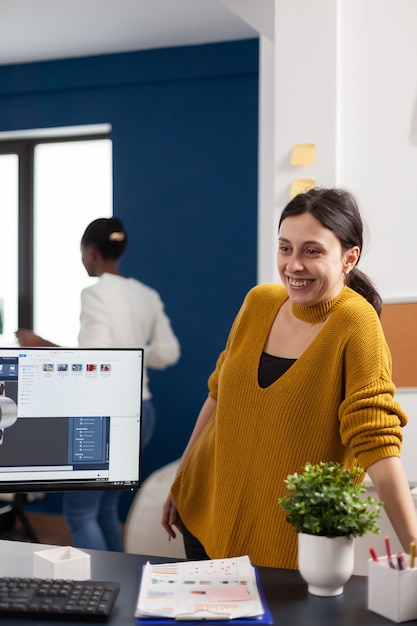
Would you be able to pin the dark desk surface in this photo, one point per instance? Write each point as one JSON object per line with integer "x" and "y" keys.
{"x": 286, "y": 593}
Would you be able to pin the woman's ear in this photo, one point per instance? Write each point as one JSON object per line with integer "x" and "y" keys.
{"x": 351, "y": 258}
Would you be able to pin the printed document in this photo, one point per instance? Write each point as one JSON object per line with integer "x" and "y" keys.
{"x": 192, "y": 590}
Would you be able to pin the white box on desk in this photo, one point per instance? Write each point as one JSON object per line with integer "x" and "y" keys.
{"x": 63, "y": 562}
{"x": 392, "y": 592}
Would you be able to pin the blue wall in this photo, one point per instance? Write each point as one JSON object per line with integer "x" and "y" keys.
{"x": 184, "y": 129}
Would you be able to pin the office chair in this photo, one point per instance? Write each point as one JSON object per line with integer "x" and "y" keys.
{"x": 143, "y": 533}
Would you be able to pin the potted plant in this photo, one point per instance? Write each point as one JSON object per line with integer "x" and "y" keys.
{"x": 325, "y": 504}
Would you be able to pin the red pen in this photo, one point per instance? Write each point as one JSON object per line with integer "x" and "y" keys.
{"x": 374, "y": 554}
{"x": 388, "y": 549}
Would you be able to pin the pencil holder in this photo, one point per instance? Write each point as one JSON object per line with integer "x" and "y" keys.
{"x": 392, "y": 592}
{"x": 65, "y": 562}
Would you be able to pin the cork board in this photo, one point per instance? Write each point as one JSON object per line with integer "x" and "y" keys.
{"x": 399, "y": 321}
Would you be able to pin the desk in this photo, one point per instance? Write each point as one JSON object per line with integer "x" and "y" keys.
{"x": 286, "y": 593}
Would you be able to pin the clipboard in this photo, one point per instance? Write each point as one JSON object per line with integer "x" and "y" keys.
{"x": 265, "y": 618}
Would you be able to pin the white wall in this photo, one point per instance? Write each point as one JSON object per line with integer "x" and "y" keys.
{"x": 342, "y": 74}
{"x": 294, "y": 110}
{"x": 305, "y": 90}
{"x": 377, "y": 159}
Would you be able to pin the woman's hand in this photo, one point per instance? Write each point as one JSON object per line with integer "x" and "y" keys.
{"x": 170, "y": 517}
{"x": 28, "y": 339}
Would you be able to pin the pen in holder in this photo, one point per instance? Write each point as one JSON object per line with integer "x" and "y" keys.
{"x": 392, "y": 590}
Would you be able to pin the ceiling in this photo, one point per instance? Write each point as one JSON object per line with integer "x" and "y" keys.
{"x": 37, "y": 30}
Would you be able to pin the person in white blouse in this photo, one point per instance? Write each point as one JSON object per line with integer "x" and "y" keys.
{"x": 116, "y": 312}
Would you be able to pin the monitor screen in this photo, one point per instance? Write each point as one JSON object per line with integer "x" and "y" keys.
{"x": 70, "y": 418}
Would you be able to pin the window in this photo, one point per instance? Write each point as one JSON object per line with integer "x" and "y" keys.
{"x": 52, "y": 187}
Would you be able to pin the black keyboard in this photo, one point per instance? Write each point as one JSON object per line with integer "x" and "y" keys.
{"x": 88, "y": 600}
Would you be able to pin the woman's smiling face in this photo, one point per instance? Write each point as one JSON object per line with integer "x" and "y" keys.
{"x": 311, "y": 262}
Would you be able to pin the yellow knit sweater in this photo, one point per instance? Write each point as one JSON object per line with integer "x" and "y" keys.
{"x": 334, "y": 403}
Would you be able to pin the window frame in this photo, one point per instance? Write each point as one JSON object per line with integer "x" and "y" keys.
{"x": 24, "y": 148}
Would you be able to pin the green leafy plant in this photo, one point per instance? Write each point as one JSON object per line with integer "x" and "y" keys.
{"x": 327, "y": 500}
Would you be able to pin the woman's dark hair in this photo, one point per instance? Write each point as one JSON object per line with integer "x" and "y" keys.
{"x": 337, "y": 210}
{"x": 108, "y": 235}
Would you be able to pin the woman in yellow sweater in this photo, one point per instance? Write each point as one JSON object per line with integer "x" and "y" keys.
{"x": 305, "y": 376}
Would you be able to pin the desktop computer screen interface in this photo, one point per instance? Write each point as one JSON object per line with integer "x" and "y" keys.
{"x": 70, "y": 418}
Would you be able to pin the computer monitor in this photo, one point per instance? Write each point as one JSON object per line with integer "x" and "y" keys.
{"x": 70, "y": 418}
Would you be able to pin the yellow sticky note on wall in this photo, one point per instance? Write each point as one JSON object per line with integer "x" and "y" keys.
{"x": 301, "y": 185}
{"x": 303, "y": 154}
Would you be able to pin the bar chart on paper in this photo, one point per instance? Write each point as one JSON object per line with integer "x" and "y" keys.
{"x": 212, "y": 590}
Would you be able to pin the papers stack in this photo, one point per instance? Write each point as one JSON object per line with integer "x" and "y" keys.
{"x": 219, "y": 589}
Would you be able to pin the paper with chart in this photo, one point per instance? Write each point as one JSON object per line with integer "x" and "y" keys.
{"x": 213, "y": 589}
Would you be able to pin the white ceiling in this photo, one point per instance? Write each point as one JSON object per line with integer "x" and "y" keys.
{"x": 37, "y": 30}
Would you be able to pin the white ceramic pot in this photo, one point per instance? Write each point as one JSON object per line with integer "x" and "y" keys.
{"x": 326, "y": 564}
